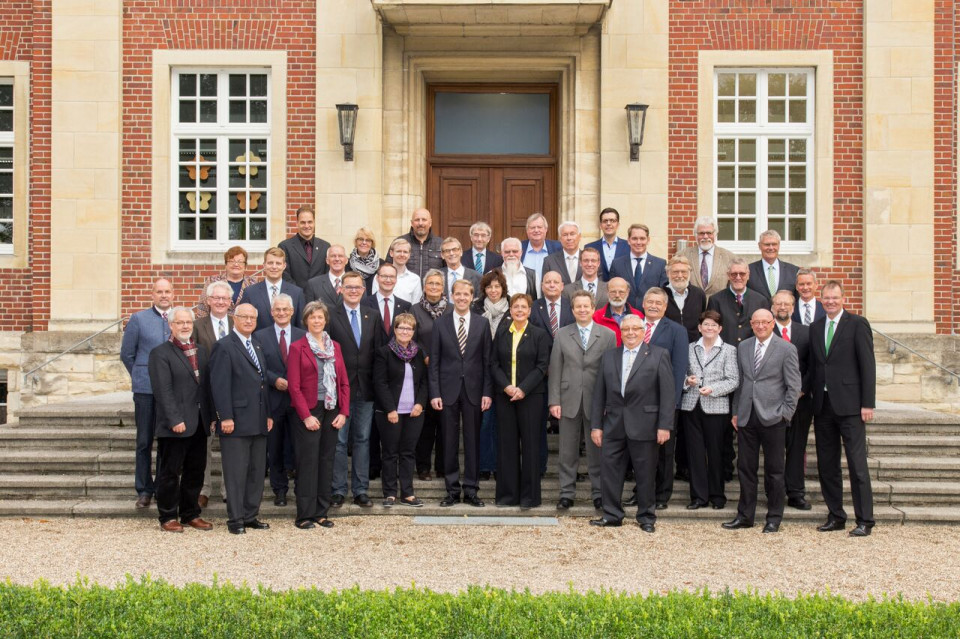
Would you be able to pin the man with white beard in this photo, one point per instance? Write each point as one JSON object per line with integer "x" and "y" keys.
{"x": 686, "y": 301}
{"x": 519, "y": 278}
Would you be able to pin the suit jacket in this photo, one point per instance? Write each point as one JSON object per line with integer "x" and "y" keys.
{"x": 298, "y": 270}
{"x": 558, "y": 262}
{"x": 275, "y": 368}
{"x": 533, "y": 358}
{"x": 239, "y": 390}
{"x": 599, "y": 294}
{"x": 468, "y": 274}
{"x": 736, "y": 322}
{"x": 388, "y": 374}
{"x": 649, "y": 402}
{"x": 424, "y": 335}
{"x": 531, "y": 282}
{"x": 145, "y": 331}
{"x": 358, "y": 360}
{"x": 491, "y": 260}
{"x": 540, "y": 315}
{"x": 718, "y": 274}
{"x": 259, "y": 296}
{"x": 320, "y": 288}
{"x": 179, "y": 395}
{"x": 773, "y": 389}
{"x": 718, "y": 370}
{"x": 552, "y": 247}
{"x": 693, "y": 307}
{"x": 672, "y": 337}
{"x": 303, "y": 378}
{"x": 573, "y": 370}
{"x": 622, "y": 248}
{"x": 654, "y": 274}
{"x": 204, "y": 335}
{"x": 800, "y": 338}
{"x": 818, "y": 311}
{"x": 399, "y": 306}
{"x": 449, "y": 369}
{"x": 848, "y": 371}
{"x": 787, "y": 280}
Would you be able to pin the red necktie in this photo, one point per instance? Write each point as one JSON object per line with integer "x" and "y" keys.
{"x": 386, "y": 314}
{"x": 308, "y": 249}
{"x": 783, "y": 333}
{"x": 554, "y": 320}
{"x": 283, "y": 346}
{"x": 647, "y": 334}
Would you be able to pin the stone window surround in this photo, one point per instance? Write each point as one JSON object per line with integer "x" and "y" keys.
{"x": 822, "y": 62}
{"x": 15, "y": 256}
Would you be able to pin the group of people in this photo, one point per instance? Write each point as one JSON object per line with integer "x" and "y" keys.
{"x": 381, "y": 365}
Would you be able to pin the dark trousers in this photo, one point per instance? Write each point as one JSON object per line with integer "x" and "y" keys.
{"x": 376, "y": 449}
{"x": 314, "y": 452}
{"x": 544, "y": 417}
{"x": 244, "y": 462}
{"x": 665, "y": 455}
{"x": 280, "y": 449}
{"x": 615, "y": 452}
{"x": 145, "y": 415}
{"x": 679, "y": 434}
{"x": 750, "y": 439}
{"x": 729, "y": 452}
{"x": 830, "y": 430}
{"x": 399, "y": 452}
{"x": 451, "y": 417}
{"x": 704, "y": 442}
{"x": 518, "y": 450}
{"x": 797, "y": 433}
{"x": 488, "y": 440}
{"x": 430, "y": 443}
{"x": 180, "y": 464}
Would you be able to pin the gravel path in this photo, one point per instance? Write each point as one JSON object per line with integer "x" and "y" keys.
{"x": 386, "y": 552}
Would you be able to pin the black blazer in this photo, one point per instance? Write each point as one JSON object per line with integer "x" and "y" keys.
{"x": 298, "y": 270}
{"x": 671, "y": 336}
{"x": 689, "y": 318}
{"x": 448, "y": 369}
{"x": 649, "y": 402}
{"x": 787, "y": 280}
{"x": 388, "y": 374}
{"x": 320, "y": 288}
{"x": 800, "y": 338}
{"x": 736, "y": 321}
{"x": 849, "y": 371}
{"x": 259, "y": 296}
{"x": 540, "y": 315}
{"x": 358, "y": 361}
{"x": 558, "y": 262}
{"x": 533, "y": 358}
{"x": 399, "y": 306}
{"x": 424, "y": 334}
{"x": 239, "y": 390}
{"x": 179, "y": 395}
{"x": 491, "y": 260}
{"x": 818, "y": 311}
{"x": 622, "y": 248}
{"x": 275, "y": 368}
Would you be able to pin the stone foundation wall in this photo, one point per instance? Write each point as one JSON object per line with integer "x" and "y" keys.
{"x": 904, "y": 377}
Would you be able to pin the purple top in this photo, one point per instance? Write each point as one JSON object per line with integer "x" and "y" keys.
{"x": 407, "y": 396}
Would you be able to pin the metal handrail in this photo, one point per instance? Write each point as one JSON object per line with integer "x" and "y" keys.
{"x": 894, "y": 343}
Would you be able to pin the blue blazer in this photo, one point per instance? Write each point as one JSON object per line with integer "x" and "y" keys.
{"x": 552, "y": 246}
{"x": 259, "y": 296}
{"x": 817, "y": 313}
{"x": 275, "y": 368}
{"x": 623, "y": 248}
{"x": 491, "y": 260}
{"x": 238, "y": 389}
{"x": 673, "y": 337}
{"x": 145, "y": 331}
{"x": 654, "y": 274}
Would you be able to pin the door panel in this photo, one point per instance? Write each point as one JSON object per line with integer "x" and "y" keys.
{"x": 460, "y": 193}
{"x": 525, "y": 190}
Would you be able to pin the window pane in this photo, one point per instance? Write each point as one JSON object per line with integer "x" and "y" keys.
{"x": 746, "y": 229}
{"x": 6, "y": 157}
{"x": 6, "y": 95}
{"x": 6, "y": 232}
{"x": 188, "y": 111}
{"x": 748, "y": 84}
{"x": 238, "y": 110}
{"x": 208, "y": 84}
{"x": 798, "y": 230}
{"x": 492, "y": 123}
{"x": 258, "y": 229}
{"x": 748, "y": 177}
{"x": 798, "y": 177}
{"x": 188, "y": 85}
{"x": 238, "y": 228}
{"x": 238, "y": 149}
{"x": 747, "y": 204}
{"x": 6, "y": 208}
{"x": 747, "y": 111}
{"x": 725, "y": 177}
{"x": 6, "y": 182}
{"x": 258, "y": 84}
{"x": 777, "y": 224}
{"x": 725, "y": 110}
{"x": 776, "y": 150}
{"x": 208, "y": 111}
{"x": 258, "y": 176}
{"x": 748, "y": 150}
{"x": 798, "y": 110}
{"x": 208, "y": 228}
{"x": 798, "y": 203}
{"x": 187, "y": 229}
{"x": 726, "y": 83}
{"x": 776, "y": 178}
{"x": 6, "y": 120}
{"x": 798, "y": 84}
{"x": 776, "y": 203}
{"x": 238, "y": 85}
{"x": 258, "y": 111}
{"x": 726, "y": 150}
{"x": 777, "y": 84}
{"x": 725, "y": 230}
{"x": 798, "y": 150}
{"x": 725, "y": 203}
{"x": 776, "y": 111}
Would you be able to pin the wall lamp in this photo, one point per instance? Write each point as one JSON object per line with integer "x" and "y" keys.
{"x": 347, "y": 120}
{"x": 636, "y": 121}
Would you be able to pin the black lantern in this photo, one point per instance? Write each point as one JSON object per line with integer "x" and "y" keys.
{"x": 636, "y": 121}
{"x": 347, "y": 119}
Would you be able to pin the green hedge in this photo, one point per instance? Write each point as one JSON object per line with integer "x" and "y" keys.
{"x": 156, "y": 609}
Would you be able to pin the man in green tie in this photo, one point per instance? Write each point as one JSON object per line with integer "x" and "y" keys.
{"x": 771, "y": 274}
{"x": 843, "y": 380}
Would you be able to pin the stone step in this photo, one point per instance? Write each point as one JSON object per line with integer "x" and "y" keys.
{"x": 934, "y": 445}
{"x": 71, "y": 437}
{"x": 898, "y": 468}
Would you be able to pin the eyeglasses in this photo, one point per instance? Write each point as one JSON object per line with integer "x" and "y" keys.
{"x": 363, "y": 240}
{"x": 246, "y": 318}
{"x": 403, "y": 328}
{"x": 353, "y": 288}
{"x": 237, "y": 262}
{"x": 705, "y": 233}
{"x": 760, "y": 322}
{"x": 182, "y": 322}
{"x": 282, "y": 309}
{"x": 451, "y": 250}
{"x": 219, "y": 298}
{"x": 737, "y": 276}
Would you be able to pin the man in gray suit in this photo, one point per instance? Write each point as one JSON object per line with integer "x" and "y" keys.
{"x": 454, "y": 270}
{"x": 771, "y": 274}
{"x": 769, "y": 389}
{"x": 574, "y": 363}
{"x": 589, "y": 279}
{"x": 567, "y": 261}
{"x": 632, "y": 415}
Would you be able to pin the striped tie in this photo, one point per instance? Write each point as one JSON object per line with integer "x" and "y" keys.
{"x": 478, "y": 263}
{"x": 758, "y": 356}
{"x": 274, "y": 290}
{"x": 806, "y": 315}
{"x": 584, "y": 336}
{"x": 253, "y": 356}
{"x": 648, "y": 333}
{"x": 223, "y": 331}
{"x": 462, "y": 336}
{"x": 554, "y": 320}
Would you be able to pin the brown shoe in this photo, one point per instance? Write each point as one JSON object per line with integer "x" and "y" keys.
{"x": 424, "y": 476}
{"x": 171, "y": 526}
{"x": 202, "y": 501}
{"x": 143, "y": 502}
{"x": 199, "y": 524}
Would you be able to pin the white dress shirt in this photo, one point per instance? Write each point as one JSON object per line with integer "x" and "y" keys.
{"x": 679, "y": 298}
{"x": 456, "y": 323}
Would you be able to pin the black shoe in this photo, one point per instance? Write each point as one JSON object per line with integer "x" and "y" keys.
{"x": 632, "y": 501}
{"x": 771, "y": 527}
{"x": 832, "y": 525}
{"x": 605, "y": 523}
{"x": 597, "y": 504}
{"x": 738, "y": 522}
{"x": 291, "y": 474}
{"x": 630, "y": 476}
{"x": 484, "y": 475}
{"x": 336, "y": 501}
{"x": 799, "y": 503}
{"x": 424, "y": 475}
{"x": 412, "y": 501}
{"x": 474, "y": 501}
{"x": 581, "y": 477}
{"x": 718, "y": 506}
{"x": 237, "y": 530}
{"x": 682, "y": 475}
{"x": 449, "y": 500}
{"x": 305, "y": 524}
{"x": 280, "y": 499}
{"x": 363, "y": 501}
{"x": 389, "y": 502}
{"x": 323, "y": 522}
{"x": 862, "y": 530}
{"x": 648, "y": 528}
{"x": 374, "y": 474}
{"x": 256, "y": 524}
{"x": 564, "y": 503}
{"x": 661, "y": 505}
{"x": 696, "y": 505}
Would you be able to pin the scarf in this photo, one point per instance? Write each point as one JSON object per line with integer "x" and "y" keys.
{"x": 494, "y": 312}
{"x": 325, "y": 354}
{"x": 435, "y": 310}
{"x": 406, "y": 354}
{"x": 366, "y": 266}
{"x": 190, "y": 350}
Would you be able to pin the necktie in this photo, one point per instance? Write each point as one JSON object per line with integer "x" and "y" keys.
{"x": 273, "y": 293}
{"x": 478, "y": 263}
{"x": 253, "y": 355}
{"x": 648, "y": 333}
{"x": 386, "y": 314}
{"x": 771, "y": 280}
{"x": 453, "y": 278}
{"x": 784, "y": 334}
{"x": 637, "y": 274}
{"x": 554, "y": 320}
{"x": 806, "y": 314}
{"x": 355, "y": 325}
{"x": 283, "y": 346}
{"x": 830, "y": 334}
{"x": 739, "y": 302}
{"x": 308, "y": 249}
{"x": 627, "y": 365}
{"x": 572, "y": 266}
{"x": 584, "y": 336}
{"x": 223, "y": 330}
{"x": 757, "y": 356}
{"x": 704, "y": 275}
{"x": 336, "y": 285}
{"x": 591, "y": 286}
{"x": 462, "y": 336}
{"x": 166, "y": 326}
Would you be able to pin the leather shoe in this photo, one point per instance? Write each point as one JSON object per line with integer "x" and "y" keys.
{"x": 202, "y": 501}
{"x": 832, "y": 525}
{"x": 237, "y": 530}
{"x": 363, "y": 501}
{"x": 564, "y": 503}
{"x": 324, "y": 522}
{"x": 632, "y": 501}
{"x": 336, "y": 501}
{"x": 305, "y": 524}
{"x": 484, "y": 475}
{"x": 597, "y": 504}
{"x": 450, "y": 500}
{"x": 199, "y": 524}
{"x": 280, "y": 499}
{"x": 717, "y": 505}
{"x": 424, "y": 476}
{"x": 736, "y": 523}
{"x": 661, "y": 505}
{"x": 648, "y": 528}
{"x": 171, "y": 526}
{"x": 696, "y": 505}
{"x": 256, "y": 524}
{"x": 474, "y": 501}
{"x": 862, "y": 530}
{"x": 771, "y": 527}
{"x": 143, "y": 501}
{"x": 605, "y": 523}
{"x": 799, "y": 503}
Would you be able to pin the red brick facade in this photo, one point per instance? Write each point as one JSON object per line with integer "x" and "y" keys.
{"x": 946, "y": 58}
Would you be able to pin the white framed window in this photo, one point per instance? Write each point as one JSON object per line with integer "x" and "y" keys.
{"x": 764, "y": 157}
{"x": 221, "y": 145}
{"x": 7, "y": 140}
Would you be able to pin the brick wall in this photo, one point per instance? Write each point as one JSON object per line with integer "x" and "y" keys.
{"x": 149, "y": 25}
{"x": 946, "y": 57}
{"x": 697, "y": 25}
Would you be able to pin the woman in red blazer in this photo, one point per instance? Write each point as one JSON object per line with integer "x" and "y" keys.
{"x": 320, "y": 394}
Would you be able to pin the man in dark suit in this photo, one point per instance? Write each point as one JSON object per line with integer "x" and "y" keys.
{"x": 633, "y": 406}
{"x": 589, "y": 279}
{"x": 537, "y": 247}
{"x": 179, "y": 377}
{"x": 809, "y": 309}
{"x": 771, "y": 274}
{"x": 639, "y": 268}
{"x": 551, "y": 305}
{"x": 609, "y": 245}
{"x": 238, "y": 385}
{"x": 328, "y": 286}
{"x": 461, "y": 387}
{"x": 567, "y": 261}
{"x": 306, "y": 253}
{"x": 687, "y": 301}
{"x": 275, "y": 341}
{"x": 764, "y": 404}
{"x": 799, "y": 428}
{"x": 843, "y": 381}
{"x": 261, "y": 295}
{"x": 737, "y": 303}
{"x": 454, "y": 269}
{"x": 520, "y": 279}
{"x": 479, "y": 257}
